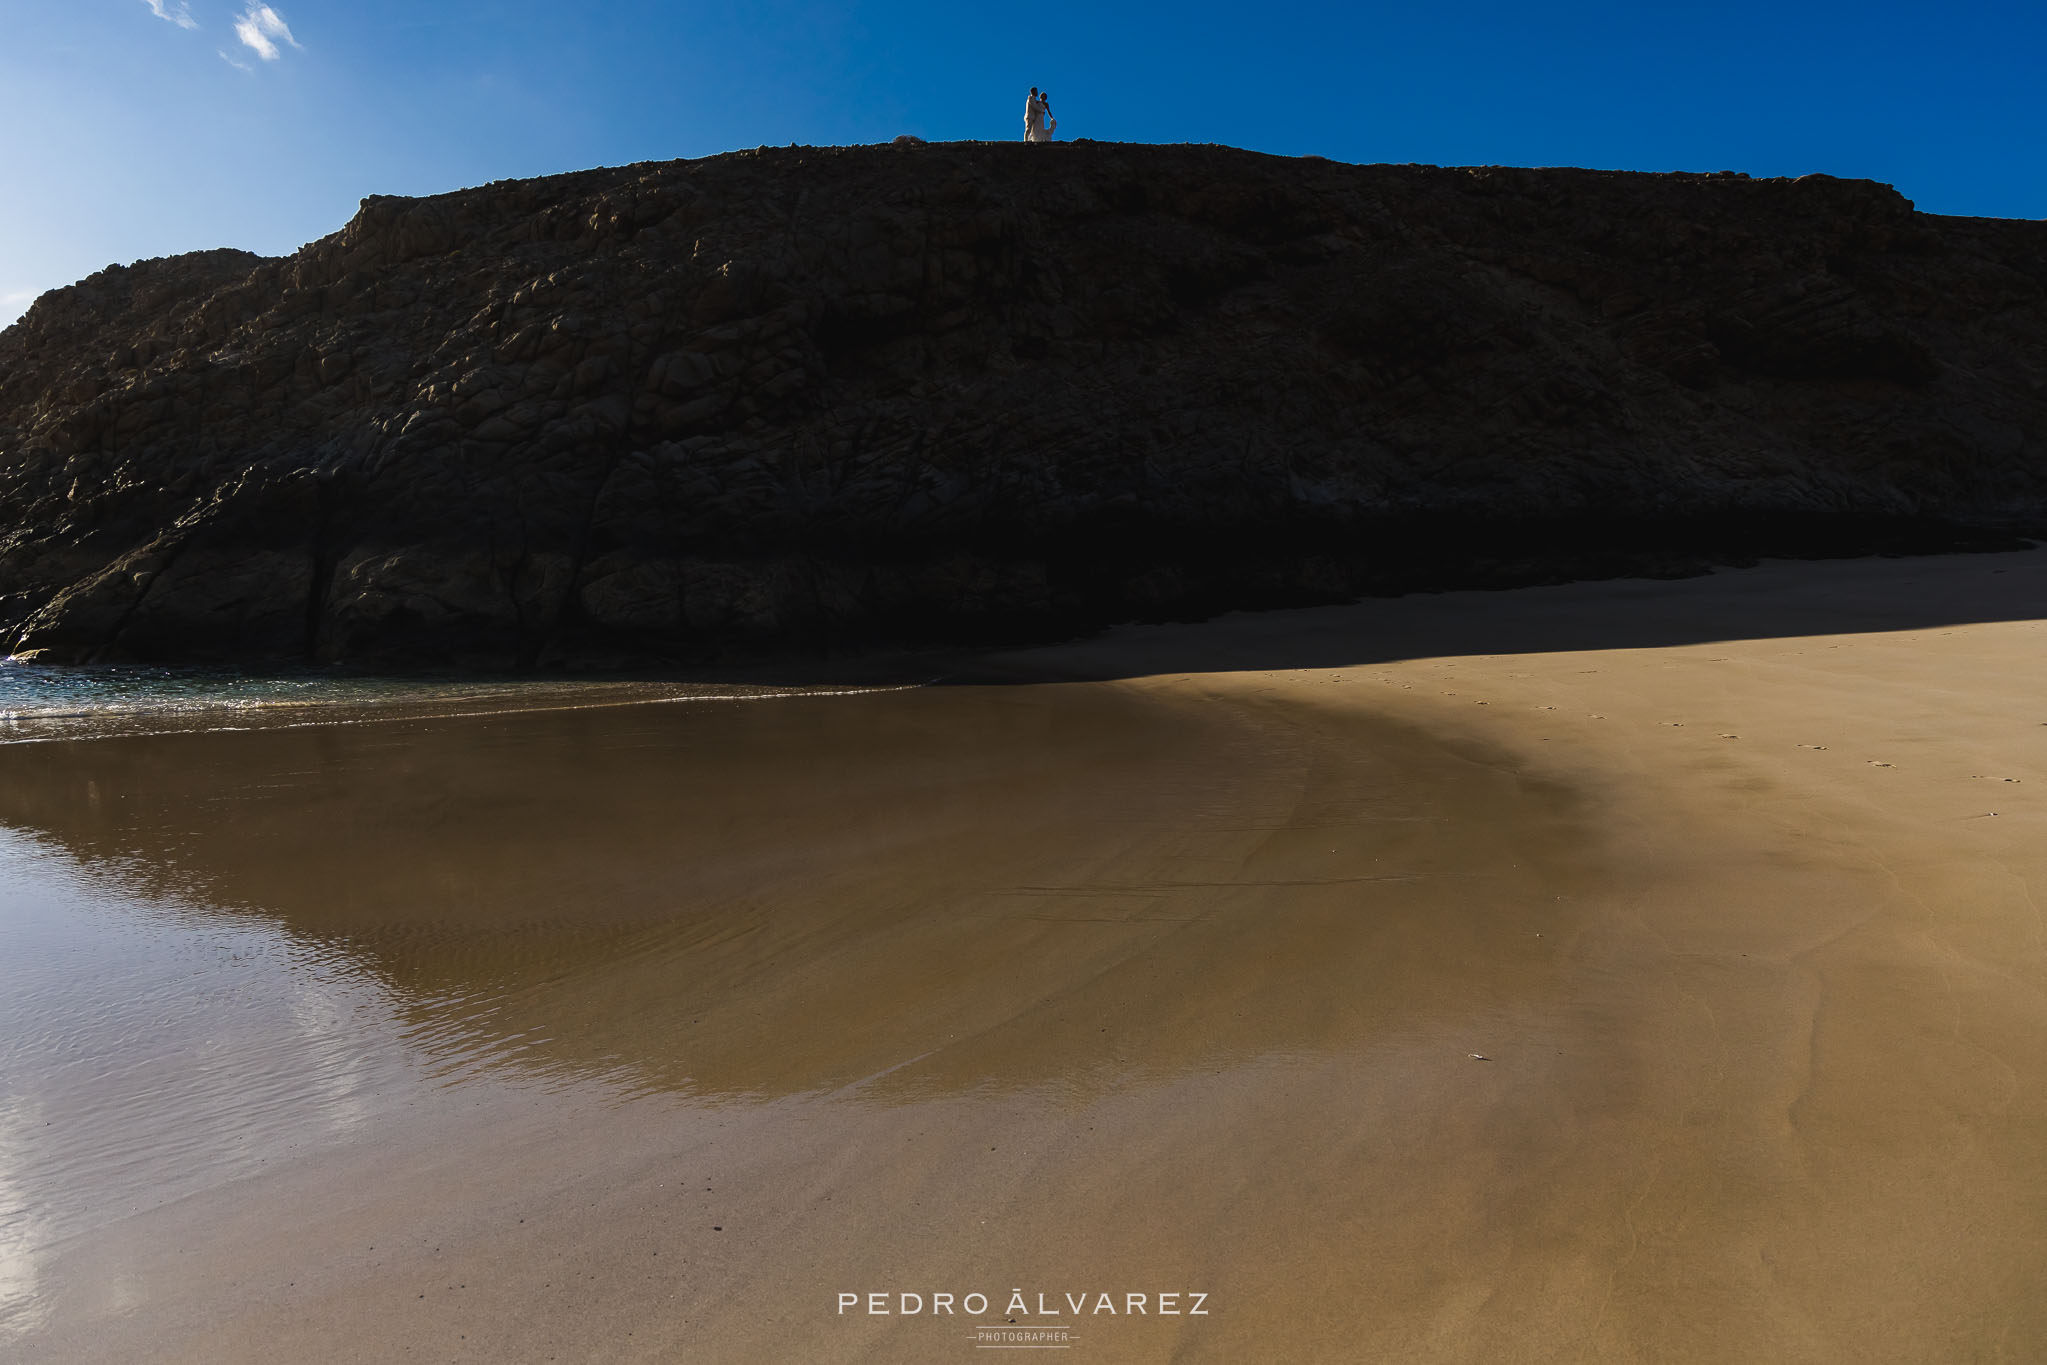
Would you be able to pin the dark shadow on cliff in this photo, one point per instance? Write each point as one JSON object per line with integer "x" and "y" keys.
{"x": 817, "y": 400}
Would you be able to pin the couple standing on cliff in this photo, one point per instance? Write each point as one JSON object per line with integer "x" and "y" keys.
{"x": 1039, "y": 125}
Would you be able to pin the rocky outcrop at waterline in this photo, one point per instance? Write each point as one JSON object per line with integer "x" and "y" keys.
{"x": 801, "y": 397}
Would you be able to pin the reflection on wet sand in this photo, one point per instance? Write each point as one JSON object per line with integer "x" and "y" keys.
{"x": 912, "y": 892}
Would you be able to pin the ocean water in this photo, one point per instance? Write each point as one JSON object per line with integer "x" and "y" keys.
{"x": 44, "y": 702}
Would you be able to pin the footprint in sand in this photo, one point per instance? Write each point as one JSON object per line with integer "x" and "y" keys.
{"x": 1816, "y": 748}
{"x": 1874, "y": 763}
{"x": 1730, "y": 736}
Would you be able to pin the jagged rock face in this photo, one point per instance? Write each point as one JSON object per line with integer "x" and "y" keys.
{"x": 803, "y": 396}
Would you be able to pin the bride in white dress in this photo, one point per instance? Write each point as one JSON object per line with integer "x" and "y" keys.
{"x": 1039, "y": 125}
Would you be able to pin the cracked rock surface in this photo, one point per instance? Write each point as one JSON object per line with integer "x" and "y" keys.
{"x": 845, "y": 397}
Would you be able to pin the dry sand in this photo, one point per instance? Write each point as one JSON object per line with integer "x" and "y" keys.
{"x": 1176, "y": 978}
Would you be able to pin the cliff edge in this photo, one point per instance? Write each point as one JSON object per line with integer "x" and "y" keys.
{"x": 801, "y": 397}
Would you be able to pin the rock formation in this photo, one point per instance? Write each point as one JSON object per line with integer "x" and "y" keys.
{"x": 796, "y": 397}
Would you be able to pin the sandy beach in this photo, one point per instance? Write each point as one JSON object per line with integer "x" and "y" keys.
{"x": 1626, "y": 971}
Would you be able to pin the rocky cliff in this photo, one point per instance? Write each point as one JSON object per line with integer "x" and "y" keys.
{"x": 796, "y": 397}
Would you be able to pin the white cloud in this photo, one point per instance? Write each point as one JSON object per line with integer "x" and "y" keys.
{"x": 179, "y": 13}
{"x": 237, "y": 65}
{"x": 259, "y": 28}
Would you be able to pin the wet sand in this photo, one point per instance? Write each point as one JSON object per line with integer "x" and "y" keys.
{"x": 1632, "y": 971}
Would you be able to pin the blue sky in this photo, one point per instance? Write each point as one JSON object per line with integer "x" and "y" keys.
{"x": 138, "y": 128}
